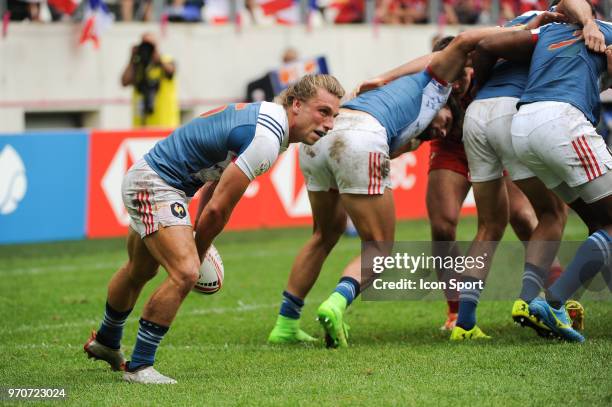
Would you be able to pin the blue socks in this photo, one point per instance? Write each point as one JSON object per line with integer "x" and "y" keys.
{"x": 111, "y": 329}
{"x": 291, "y": 307}
{"x": 349, "y": 288}
{"x": 591, "y": 256}
{"x": 149, "y": 336}
{"x": 533, "y": 282}
{"x": 468, "y": 301}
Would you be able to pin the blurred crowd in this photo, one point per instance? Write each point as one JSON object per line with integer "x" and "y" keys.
{"x": 266, "y": 12}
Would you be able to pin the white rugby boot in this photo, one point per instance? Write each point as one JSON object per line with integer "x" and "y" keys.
{"x": 147, "y": 375}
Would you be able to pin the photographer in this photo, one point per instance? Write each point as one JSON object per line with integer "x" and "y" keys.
{"x": 153, "y": 76}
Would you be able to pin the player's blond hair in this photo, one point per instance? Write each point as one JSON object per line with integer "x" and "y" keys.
{"x": 307, "y": 87}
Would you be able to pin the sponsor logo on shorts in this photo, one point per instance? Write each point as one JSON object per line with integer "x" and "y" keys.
{"x": 178, "y": 210}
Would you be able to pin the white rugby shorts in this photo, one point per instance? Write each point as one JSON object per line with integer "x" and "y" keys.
{"x": 557, "y": 142}
{"x": 352, "y": 158}
{"x": 488, "y": 141}
{"x": 151, "y": 202}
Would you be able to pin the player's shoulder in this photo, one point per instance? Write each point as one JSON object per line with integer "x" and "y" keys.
{"x": 273, "y": 117}
{"x": 273, "y": 111}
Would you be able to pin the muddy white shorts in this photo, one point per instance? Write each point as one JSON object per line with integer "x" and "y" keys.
{"x": 558, "y": 143}
{"x": 488, "y": 141}
{"x": 353, "y": 158}
{"x": 151, "y": 202}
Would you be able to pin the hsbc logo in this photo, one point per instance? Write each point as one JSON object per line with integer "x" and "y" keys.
{"x": 130, "y": 151}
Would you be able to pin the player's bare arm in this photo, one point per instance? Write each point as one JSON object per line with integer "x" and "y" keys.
{"x": 409, "y": 68}
{"x": 217, "y": 212}
{"x": 206, "y": 192}
{"x": 580, "y": 11}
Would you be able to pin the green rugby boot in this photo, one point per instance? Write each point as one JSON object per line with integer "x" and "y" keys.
{"x": 287, "y": 331}
{"x": 330, "y": 315}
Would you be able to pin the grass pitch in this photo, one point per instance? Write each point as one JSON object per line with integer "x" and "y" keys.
{"x": 53, "y": 294}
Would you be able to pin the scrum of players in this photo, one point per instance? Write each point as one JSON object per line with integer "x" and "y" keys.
{"x": 515, "y": 106}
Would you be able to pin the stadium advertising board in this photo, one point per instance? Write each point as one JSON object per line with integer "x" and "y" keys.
{"x": 42, "y": 186}
{"x": 275, "y": 199}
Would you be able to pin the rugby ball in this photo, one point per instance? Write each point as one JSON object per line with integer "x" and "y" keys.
{"x": 211, "y": 273}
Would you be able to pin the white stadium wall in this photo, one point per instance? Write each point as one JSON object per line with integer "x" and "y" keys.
{"x": 43, "y": 69}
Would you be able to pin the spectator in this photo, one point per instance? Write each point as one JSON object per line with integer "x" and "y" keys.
{"x": 153, "y": 77}
{"x": 139, "y": 10}
{"x": 184, "y": 10}
{"x": 25, "y": 10}
{"x": 512, "y": 8}
{"x": 290, "y": 55}
{"x": 462, "y": 11}
{"x": 402, "y": 11}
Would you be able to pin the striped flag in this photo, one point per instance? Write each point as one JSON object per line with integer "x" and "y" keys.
{"x": 97, "y": 19}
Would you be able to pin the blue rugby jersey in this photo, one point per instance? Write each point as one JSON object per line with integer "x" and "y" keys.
{"x": 563, "y": 70}
{"x": 250, "y": 134}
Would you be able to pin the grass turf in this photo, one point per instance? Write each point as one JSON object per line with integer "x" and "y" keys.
{"x": 53, "y": 294}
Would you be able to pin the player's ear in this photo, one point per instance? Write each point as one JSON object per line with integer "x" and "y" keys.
{"x": 296, "y": 105}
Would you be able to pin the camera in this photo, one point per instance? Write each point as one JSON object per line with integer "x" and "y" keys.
{"x": 144, "y": 53}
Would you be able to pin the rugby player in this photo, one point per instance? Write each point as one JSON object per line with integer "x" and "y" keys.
{"x": 449, "y": 183}
{"x": 349, "y": 170}
{"x": 232, "y": 144}
{"x": 553, "y": 134}
{"x": 489, "y": 150}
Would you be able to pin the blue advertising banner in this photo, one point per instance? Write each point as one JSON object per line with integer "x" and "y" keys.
{"x": 43, "y": 186}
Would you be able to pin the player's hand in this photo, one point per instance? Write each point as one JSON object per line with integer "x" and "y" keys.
{"x": 593, "y": 38}
{"x": 369, "y": 85}
{"x": 546, "y": 17}
{"x": 362, "y": 88}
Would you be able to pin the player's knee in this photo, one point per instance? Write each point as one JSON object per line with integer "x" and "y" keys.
{"x": 523, "y": 222}
{"x": 140, "y": 274}
{"x": 185, "y": 277}
{"x": 329, "y": 236}
{"x": 492, "y": 230}
{"x": 443, "y": 229}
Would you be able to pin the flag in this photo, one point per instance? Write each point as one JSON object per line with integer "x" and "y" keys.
{"x": 285, "y": 11}
{"x": 97, "y": 19}
{"x": 64, "y": 6}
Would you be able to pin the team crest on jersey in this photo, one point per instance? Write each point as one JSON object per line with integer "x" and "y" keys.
{"x": 263, "y": 167}
{"x": 178, "y": 210}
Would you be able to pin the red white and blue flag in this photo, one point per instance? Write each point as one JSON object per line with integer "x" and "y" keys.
{"x": 283, "y": 11}
{"x": 97, "y": 19}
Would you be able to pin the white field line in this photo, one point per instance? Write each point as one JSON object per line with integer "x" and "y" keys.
{"x": 93, "y": 323}
{"x": 70, "y": 268}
